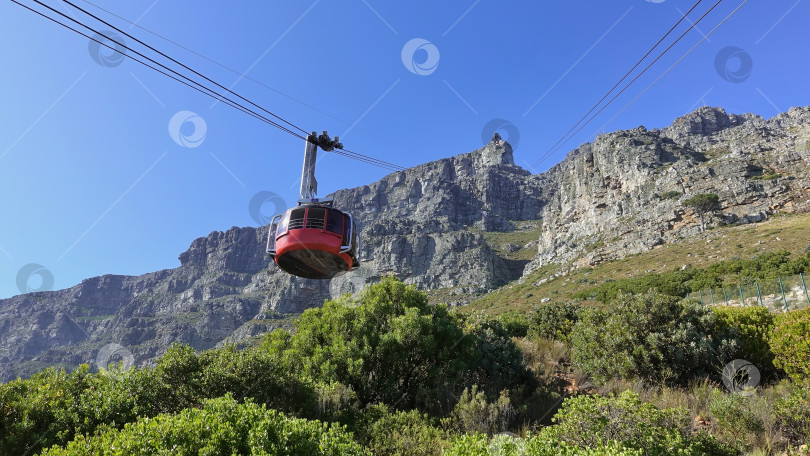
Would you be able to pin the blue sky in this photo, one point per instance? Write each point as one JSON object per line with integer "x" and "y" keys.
{"x": 93, "y": 182}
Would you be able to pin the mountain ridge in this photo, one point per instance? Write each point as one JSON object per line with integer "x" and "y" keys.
{"x": 427, "y": 225}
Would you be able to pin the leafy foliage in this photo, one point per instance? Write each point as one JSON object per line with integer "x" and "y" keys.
{"x": 752, "y": 326}
{"x": 791, "y": 345}
{"x": 553, "y": 320}
{"x": 593, "y": 421}
{"x": 725, "y": 273}
{"x": 653, "y": 337}
{"x": 703, "y": 204}
{"x": 221, "y": 426}
{"x": 473, "y": 413}
{"x": 792, "y": 414}
{"x": 391, "y": 347}
{"x": 401, "y": 433}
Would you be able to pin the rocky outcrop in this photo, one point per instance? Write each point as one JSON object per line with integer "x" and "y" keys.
{"x": 623, "y": 193}
{"x": 415, "y": 224}
{"x": 429, "y": 225}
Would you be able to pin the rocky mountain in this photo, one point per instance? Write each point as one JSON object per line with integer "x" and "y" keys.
{"x": 439, "y": 226}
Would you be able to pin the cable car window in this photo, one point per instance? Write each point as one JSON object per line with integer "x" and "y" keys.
{"x": 347, "y": 229}
{"x": 282, "y": 224}
{"x": 334, "y": 221}
{"x": 315, "y": 217}
{"x": 297, "y": 218}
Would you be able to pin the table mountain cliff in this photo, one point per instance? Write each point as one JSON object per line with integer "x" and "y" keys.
{"x": 437, "y": 226}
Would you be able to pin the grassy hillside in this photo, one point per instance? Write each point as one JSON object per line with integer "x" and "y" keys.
{"x": 783, "y": 232}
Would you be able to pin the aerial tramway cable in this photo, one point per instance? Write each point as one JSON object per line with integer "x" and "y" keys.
{"x": 191, "y": 82}
{"x": 627, "y": 86}
{"x": 630, "y": 71}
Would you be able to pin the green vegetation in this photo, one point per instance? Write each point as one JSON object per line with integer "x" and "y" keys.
{"x": 730, "y": 243}
{"x": 703, "y": 204}
{"x": 791, "y": 345}
{"x": 769, "y": 174}
{"x": 725, "y": 273}
{"x": 384, "y": 373}
{"x": 753, "y": 326}
{"x": 672, "y": 194}
{"x": 221, "y": 426}
{"x": 653, "y": 337}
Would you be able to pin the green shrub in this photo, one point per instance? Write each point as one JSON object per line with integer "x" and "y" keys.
{"x": 515, "y": 323}
{"x": 538, "y": 445}
{"x": 391, "y": 347}
{"x": 791, "y": 345}
{"x": 765, "y": 266}
{"x": 792, "y": 415}
{"x": 594, "y": 421}
{"x": 473, "y": 413}
{"x": 672, "y": 194}
{"x": 753, "y": 327}
{"x": 653, "y": 337}
{"x": 400, "y": 433}
{"x": 53, "y": 406}
{"x": 221, "y": 426}
{"x": 672, "y": 284}
{"x": 553, "y": 320}
{"x": 736, "y": 416}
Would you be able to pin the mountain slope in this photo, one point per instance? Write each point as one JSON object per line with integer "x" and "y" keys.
{"x": 458, "y": 227}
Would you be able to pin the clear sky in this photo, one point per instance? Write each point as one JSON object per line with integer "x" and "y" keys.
{"x": 94, "y": 182}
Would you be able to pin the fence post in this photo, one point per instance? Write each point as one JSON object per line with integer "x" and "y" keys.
{"x": 725, "y": 297}
{"x": 805, "y": 287}
{"x": 782, "y": 289}
{"x": 759, "y": 294}
{"x": 700, "y": 293}
{"x": 742, "y": 299}
{"x": 711, "y": 293}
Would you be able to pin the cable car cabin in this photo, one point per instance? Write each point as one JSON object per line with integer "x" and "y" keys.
{"x": 314, "y": 242}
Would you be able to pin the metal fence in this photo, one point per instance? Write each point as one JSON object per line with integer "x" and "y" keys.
{"x": 782, "y": 294}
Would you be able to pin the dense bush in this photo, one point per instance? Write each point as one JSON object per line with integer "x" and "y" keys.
{"x": 473, "y": 413}
{"x": 53, "y": 406}
{"x": 553, "y": 320}
{"x": 515, "y": 322}
{"x": 753, "y": 327}
{"x": 735, "y": 416}
{"x": 653, "y": 337}
{"x": 593, "y": 421}
{"x": 400, "y": 433}
{"x": 725, "y": 273}
{"x": 221, "y": 427}
{"x": 391, "y": 347}
{"x": 539, "y": 445}
{"x": 792, "y": 414}
{"x": 791, "y": 345}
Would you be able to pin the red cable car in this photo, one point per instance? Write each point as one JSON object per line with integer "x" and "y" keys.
{"x": 314, "y": 240}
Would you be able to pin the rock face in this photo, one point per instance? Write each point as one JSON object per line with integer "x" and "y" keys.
{"x": 429, "y": 226}
{"x": 623, "y": 193}
{"x": 423, "y": 225}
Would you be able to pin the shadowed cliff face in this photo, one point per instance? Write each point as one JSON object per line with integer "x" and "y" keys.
{"x": 415, "y": 224}
{"x": 619, "y": 195}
